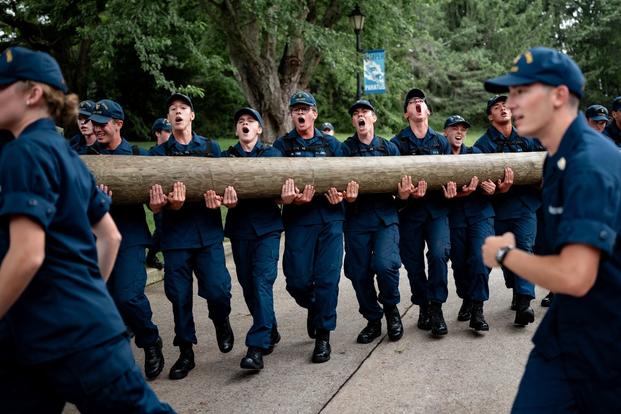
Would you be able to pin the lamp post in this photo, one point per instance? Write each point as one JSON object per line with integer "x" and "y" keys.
{"x": 357, "y": 20}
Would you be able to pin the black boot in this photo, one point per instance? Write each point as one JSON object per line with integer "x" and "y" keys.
{"x": 547, "y": 301}
{"x": 514, "y": 301}
{"x": 465, "y": 312}
{"x": 322, "y": 350}
{"x": 524, "y": 314}
{"x": 184, "y": 364}
{"x": 370, "y": 332}
{"x": 153, "y": 261}
{"x": 394, "y": 326}
{"x": 224, "y": 335}
{"x": 253, "y": 359}
{"x": 423, "y": 317}
{"x": 153, "y": 359}
{"x": 274, "y": 338}
{"x": 310, "y": 323}
{"x": 436, "y": 319}
{"x": 477, "y": 321}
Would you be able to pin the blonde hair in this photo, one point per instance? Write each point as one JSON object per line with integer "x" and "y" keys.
{"x": 62, "y": 108}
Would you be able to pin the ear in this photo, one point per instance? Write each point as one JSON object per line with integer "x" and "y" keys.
{"x": 489, "y": 117}
{"x": 192, "y": 116}
{"x": 34, "y": 94}
{"x": 560, "y": 96}
{"x": 259, "y": 130}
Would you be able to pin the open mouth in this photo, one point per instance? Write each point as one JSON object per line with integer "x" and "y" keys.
{"x": 178, "y": 119}
{"x": 245, "y": 130}
{"x": 361, "y": 122}
{"x": 418, "y": 108}
{"x": 301, "y": 120}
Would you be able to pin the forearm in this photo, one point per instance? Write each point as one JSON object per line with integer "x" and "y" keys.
{"x": 562, "y": 273}
{"x": 107, "y": 250}
{"x": 16, "y": 272}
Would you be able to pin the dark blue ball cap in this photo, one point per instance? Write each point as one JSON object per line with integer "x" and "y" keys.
{"x": 21, "y": 64}
{"x": 493, "y": 101}
{"x": 248, "y": 111}
{"x": 414, "y": 93}
{"x": 326, "y": 125}
{"x": 179, "y": 97}
{"x": 616, "y": 104}
{"x": 105, "y": 110}
{"x": 302, "y": 98}
{"x": 86, "y": 108}
{"x": 456, "y": 120}
{"x": 362, "y": 103}
{"x": 597, "y": 113}
{"x": 543, "y": 65}
{"x": 161, "y": 124}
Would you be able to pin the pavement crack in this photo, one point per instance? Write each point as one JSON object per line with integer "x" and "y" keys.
{"x": 355, "y": 371}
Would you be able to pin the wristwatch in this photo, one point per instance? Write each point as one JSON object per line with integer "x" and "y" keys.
{"x": 501, "y": 254}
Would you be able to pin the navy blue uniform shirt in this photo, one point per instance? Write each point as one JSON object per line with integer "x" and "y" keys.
{"x": 66, "y": 307}
{"x": 130, "y": 219}
{"x": 78, "y": 143}
{"x": 194, "y": 225}
{"x": 432, "y": 143}
{"x": 472, "y": 208}
{"x": 319, "y": 210}
{"x": 582, "y": 205}
{"x": 252, "y": 218}
{"x": 511, "y": 204}
{"x": 370, "y": 211}
{"x": 613, "y": 132}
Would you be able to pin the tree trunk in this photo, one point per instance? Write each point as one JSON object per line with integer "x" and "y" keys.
{"x": 130, "y": 177}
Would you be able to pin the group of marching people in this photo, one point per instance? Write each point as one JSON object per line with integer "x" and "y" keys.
{"x": 59, "y": 326}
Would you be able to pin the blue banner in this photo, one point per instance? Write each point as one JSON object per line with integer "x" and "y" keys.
{"x": 374, "y": 72}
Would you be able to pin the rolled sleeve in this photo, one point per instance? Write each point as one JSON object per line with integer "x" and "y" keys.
{"x": 28, "y": 204}
{"x": 584, "y": 231}
{"x": 98, "y": 206}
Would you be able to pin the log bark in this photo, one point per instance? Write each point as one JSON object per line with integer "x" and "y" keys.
{"x": 130, "y": 177}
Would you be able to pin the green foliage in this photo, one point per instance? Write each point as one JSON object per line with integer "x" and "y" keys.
{"x": 137, "y": 51}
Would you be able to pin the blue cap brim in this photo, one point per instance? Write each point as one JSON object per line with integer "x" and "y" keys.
{"x": 84, "y": 113}
{"x": 8, "y": 80}
{"x": 599, "y": 118}
{"x": 100, "y": 119}
{"x": 466, "y": 123}
{"x": 501, "y": 84}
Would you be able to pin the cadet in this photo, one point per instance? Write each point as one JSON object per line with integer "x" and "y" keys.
{"x": 471, "y": 220}
{"x": 327, "y": 128}
{"x": 575, "y": 364}
{"x": 61, "y": 336}
{"x": 313, "y": 228}
{"x": 254, "y": 227}
{"x": 192, "y": 238}
{"x": 423, "y": 219}
{"x": 129, "y": 277}
{"x": 515, "y": 207}
{"x": 83, "y": 141}
{"x": 160, "y": 132}
{"x": 597, "y": 117}
{"x": 613, "y": 130}
{"x": 372, "y": 235}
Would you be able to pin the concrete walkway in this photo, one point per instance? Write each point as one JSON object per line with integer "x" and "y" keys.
{"x": 461, "y": 373}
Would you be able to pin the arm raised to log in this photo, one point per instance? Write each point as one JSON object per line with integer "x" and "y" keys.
{"x": 130, "y": 177}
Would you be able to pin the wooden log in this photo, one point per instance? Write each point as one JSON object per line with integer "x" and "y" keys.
{"x": 130, "y": 177}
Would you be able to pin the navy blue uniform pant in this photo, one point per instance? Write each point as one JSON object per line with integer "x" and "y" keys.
{"x": 545, "y": 388}
{"x": 214, "y": 285}
{"x": 471, "y": 275}
{"x": 256, "y": 262}
{"x": 370, "y": 253}
{"x": 413, "y": 235}
{"x": 157, "y": 233}
{"x": 525, "y": 229}
{"x": 126, "y": 286}
{"x": 312, "y": 265}
{"x": 103, "y": 379}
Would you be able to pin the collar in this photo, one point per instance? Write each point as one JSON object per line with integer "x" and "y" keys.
{"x": 39, "y": 124}
{"x": 569, "y": 141}
{"x": 497, "y": 135}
